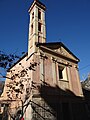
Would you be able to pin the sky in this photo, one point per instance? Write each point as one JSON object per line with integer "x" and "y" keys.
{"x": 67, "y": 21}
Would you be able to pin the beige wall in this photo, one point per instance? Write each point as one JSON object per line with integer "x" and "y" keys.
{"x": 45, "y": 72}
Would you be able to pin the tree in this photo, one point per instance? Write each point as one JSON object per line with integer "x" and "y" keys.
{"x": 16, "y": 88}
{"x": 24, "y": 85}
{"x": 6, "y": 61}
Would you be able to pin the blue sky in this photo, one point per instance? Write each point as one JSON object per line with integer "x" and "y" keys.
{"x": 67, "y": 21}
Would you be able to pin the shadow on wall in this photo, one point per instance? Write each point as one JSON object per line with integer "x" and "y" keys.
{"x": 86, "y": 93}
{"x": 58, "y": 104}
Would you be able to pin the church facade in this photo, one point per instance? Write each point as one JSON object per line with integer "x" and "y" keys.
{"x": 44, "y": 84}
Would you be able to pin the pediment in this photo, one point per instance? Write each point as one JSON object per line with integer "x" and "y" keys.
{"x": 61, "y": 50}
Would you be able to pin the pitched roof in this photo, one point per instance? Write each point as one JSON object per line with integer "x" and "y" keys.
{"x": 51, "y": 45}
{"x": 56, "y": 45}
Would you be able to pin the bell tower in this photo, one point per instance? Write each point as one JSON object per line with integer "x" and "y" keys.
{"x": 37, "y": 28}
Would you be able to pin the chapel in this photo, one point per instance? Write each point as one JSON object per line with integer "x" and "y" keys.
{"x": 44, "y": 84}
